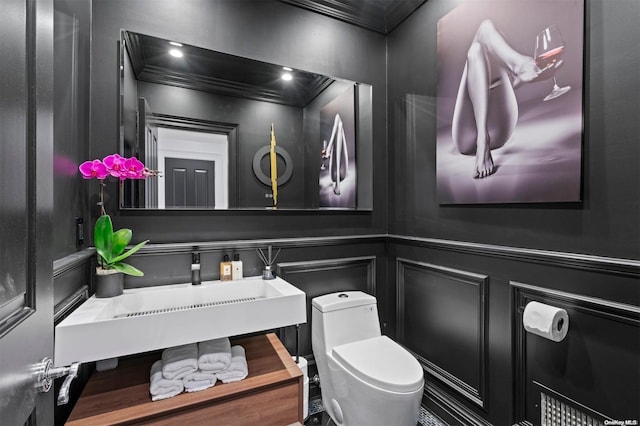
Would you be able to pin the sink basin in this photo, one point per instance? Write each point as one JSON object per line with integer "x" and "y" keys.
{"x": 152, "y": 318}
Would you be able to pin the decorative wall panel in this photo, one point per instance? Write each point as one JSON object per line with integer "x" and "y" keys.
{"x": 441, "y": 317}
{"x": 318, "y": 277}
{"x": 593, "y": 370}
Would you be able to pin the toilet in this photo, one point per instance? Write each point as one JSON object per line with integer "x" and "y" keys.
{"x": 365, "y": 378}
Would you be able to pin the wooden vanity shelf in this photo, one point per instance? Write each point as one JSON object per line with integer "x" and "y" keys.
{"x": 270, "y": 395}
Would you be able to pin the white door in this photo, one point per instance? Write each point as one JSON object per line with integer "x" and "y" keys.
{"x": 26, "y": 206}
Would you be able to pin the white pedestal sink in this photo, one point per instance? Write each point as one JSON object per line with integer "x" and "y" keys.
{"x": 152, "y": 318}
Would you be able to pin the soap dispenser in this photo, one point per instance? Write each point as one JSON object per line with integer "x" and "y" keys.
{"x": 236, "y": 267}
{"x": 195, "y": 268}
{"x": 225, "y": 269}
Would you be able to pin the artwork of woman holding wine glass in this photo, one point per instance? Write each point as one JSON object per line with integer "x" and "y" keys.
{"x": 537, "y": 134}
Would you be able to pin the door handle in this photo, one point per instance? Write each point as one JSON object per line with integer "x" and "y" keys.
{"x": 47, "y": 373}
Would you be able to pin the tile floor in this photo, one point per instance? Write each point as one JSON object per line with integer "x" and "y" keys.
{"x": 318, "y": 417}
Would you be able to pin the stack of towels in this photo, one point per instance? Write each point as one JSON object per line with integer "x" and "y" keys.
{"x": 195, "y": 367}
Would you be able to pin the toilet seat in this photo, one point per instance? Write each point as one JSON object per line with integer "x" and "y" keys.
{"x": 381, "y": 362}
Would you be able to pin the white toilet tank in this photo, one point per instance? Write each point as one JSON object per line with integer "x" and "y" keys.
{"x": 345, "y": 317}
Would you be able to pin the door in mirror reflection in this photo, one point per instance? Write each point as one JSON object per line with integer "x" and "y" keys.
{"x": 195, "y": 169}
{"x": 189, "y": 183}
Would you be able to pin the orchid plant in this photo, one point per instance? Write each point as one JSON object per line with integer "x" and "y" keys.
{"x": 111, "y": 245}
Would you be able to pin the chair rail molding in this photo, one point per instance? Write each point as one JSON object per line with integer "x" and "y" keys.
{"x": 611, "y": 265}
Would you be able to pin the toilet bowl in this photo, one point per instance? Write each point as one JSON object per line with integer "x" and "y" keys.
{"x": 365, "y": 378}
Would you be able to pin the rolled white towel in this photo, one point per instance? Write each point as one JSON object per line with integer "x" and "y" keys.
{"x": 161, "y": 388}
{"x": 238, "y": 368}
{"x": 179, "y": 361}
{"x": 200, "y": 380}
{"x": 214, "y": 355}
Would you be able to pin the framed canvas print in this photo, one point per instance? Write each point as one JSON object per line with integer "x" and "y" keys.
{"x": 510, "y": 102}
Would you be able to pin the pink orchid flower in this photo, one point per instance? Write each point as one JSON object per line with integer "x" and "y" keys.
{"x": 115, "y": 166}
{"x": 93, "y": 169}
{"x": 134, "y": 168}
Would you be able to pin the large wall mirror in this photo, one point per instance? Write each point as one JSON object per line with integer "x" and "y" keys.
{"x": 228, "y": 132}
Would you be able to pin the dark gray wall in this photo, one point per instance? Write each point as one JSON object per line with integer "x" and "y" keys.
{"x": 464, "y": 273}
{"x": 72, "y": 32}
{"x": 459, "y": 308}
{"x": 605, "y": 223}
{"x": 270, "y": 31}
{"x": 71, "y": 122}
{"x": 73, "y": 196}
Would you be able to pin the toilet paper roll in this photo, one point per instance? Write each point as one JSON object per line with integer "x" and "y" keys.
{"x": 304, "y": 366}
{"x": 547, "y": 321}
{"x": 305, "y": 398}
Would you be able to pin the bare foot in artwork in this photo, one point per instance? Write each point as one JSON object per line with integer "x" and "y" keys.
{"x": 484, "y": 162}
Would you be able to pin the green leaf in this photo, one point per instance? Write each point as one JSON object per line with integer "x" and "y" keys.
{"x": 120, "y": 240}
{"x": 103, "y": 237}
{"x": 110, "y": 246}
{"x": 129, "y": 252}
{"x": 128, "y": 269}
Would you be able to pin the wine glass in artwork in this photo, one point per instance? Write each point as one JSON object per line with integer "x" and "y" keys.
{"x": 549, "y": 51}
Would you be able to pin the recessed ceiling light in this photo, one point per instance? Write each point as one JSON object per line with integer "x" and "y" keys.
{"x": 175, "y": 53}
{"x": 287, "y": 69}
{"x": 175, "y": 43}
{"x": 286, "y": 76}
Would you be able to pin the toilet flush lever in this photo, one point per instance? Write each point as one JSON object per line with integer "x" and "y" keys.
{"x": 47, "y": 373}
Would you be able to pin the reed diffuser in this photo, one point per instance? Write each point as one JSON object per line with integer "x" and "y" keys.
{"x": 268, "y": 259}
